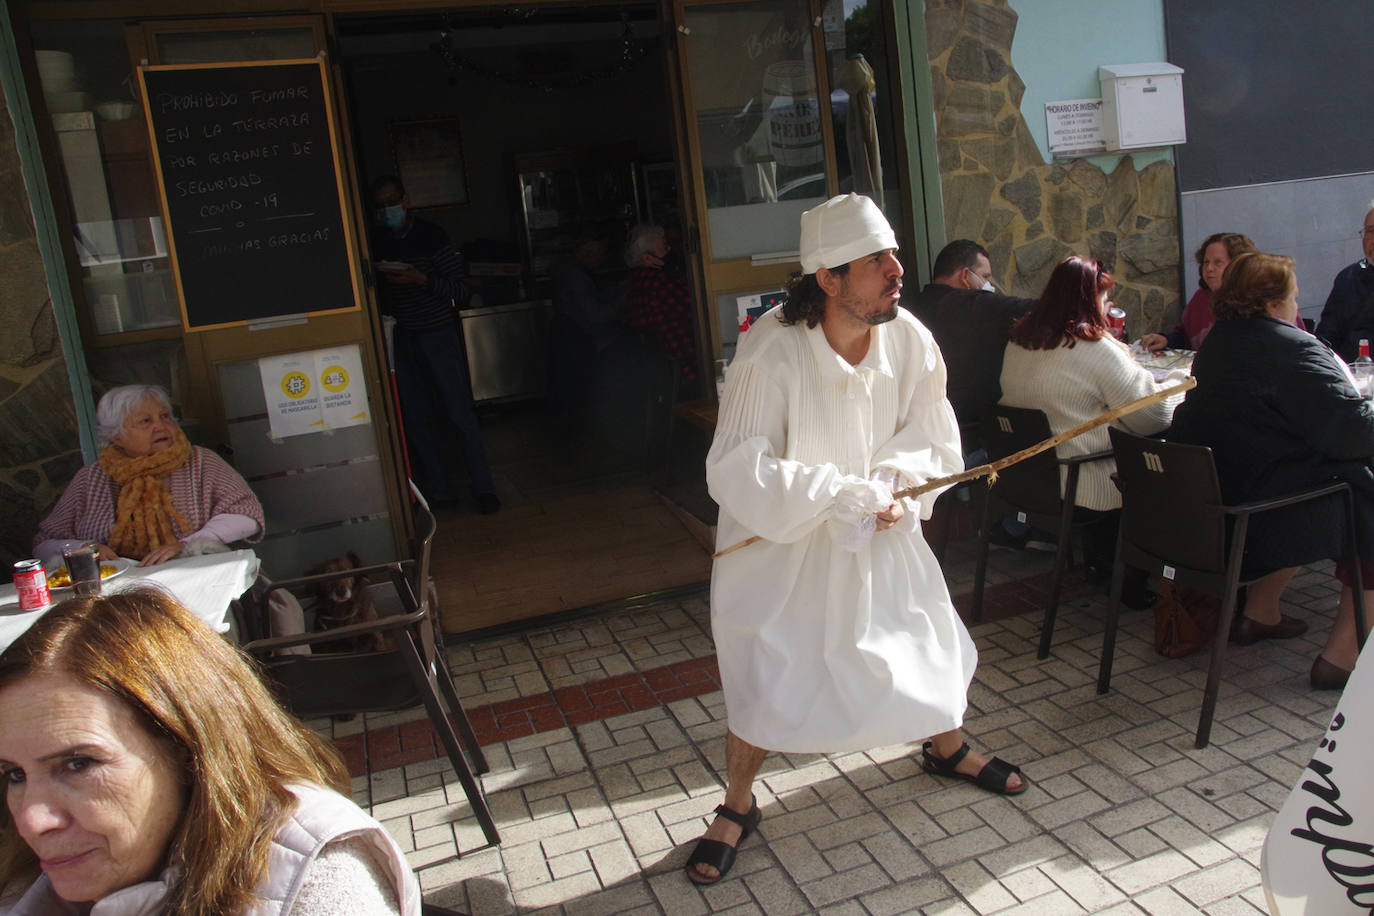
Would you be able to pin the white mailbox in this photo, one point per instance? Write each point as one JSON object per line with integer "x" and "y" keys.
{"x": 1142, "y": 105}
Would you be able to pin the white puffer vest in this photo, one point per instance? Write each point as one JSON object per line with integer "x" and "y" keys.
{"x": 322, "y": 816}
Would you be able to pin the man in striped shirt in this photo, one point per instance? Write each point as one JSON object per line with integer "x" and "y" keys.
{"x": 420, "y": 284}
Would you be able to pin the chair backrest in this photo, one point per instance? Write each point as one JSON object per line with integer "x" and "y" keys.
{"x": 360, "y": 680}
{"x": 1171, "y": 501}
{"x": 1033, "y": 485}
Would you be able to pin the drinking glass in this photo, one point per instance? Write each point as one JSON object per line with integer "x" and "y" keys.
{"x": 83, "y": 564}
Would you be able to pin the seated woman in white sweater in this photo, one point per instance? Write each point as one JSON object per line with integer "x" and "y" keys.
{"x": 1062, "y": 359}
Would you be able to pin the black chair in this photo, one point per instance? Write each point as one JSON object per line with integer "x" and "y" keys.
{"x": 1030, "y": 490}
{"x": 1174, "y": 523}
{"x": 411, "y": 672}
{"x": 948, "y": 503}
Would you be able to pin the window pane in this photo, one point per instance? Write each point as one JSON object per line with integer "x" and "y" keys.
{"x": 213, "y": 47}
{"x": 753, "y": 87}
{"x": 102, "y": 141}
{"x": 861, "y": 105}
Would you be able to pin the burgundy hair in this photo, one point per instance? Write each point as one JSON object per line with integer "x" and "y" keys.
{"x": 1067, "y": 310}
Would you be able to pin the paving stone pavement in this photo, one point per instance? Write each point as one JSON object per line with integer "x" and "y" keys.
{"x": 1123, "y": 815}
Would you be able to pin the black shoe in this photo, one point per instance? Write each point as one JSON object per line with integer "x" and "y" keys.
{"x": 1245, "y": 631}
{"x": 1328, "y": 676}
{"x": 1139, "y": 599}
{"x": 1001, "y": 539}
{"x": 487, "y": 503}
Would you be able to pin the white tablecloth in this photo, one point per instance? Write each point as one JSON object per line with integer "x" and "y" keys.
{"x": 204, "y": 584}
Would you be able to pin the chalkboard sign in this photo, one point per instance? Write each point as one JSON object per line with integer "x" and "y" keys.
{"x": 249, "y": 177}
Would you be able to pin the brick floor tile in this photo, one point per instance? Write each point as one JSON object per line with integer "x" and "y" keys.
{"x": 981, "y": 890}
{"x": 1080, "y": 881}
{"x": 1217, "y": 881}
{"x": 1190, "y": 841}
{"x": 1056, "y": 901}
{"x": 952, "y": 906}
{"x": 1161, "y": 868}
{"x": 1119, "y": 819}
{"x": 554, "y": 892}
{"x": 1164, "y": 901}
{"x": 963, "y": 846}
{"x": 800, "y": 859}
{"x": 615, "y": 863}
{"x": 845, "y": 884}
{"x": 846, "y": 857}
{"x": 676, "y": 895}
{"x": 1141, "y": 843}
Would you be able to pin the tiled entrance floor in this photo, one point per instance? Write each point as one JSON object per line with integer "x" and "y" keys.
{"x": 606, "y": 740}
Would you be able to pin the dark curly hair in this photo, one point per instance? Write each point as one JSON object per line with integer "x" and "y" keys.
{"x": 1251, "y": 282}
{"x": 805, "y": 298}
{"x": 1236, "y": 244}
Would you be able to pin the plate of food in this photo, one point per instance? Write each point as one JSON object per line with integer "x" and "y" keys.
{"x": 59, "y": 578}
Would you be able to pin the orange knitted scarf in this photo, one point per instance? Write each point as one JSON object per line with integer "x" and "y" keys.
{"x": 144, "y": 512}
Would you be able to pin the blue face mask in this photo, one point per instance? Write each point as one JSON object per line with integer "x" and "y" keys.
{"x": 392, "y": 217}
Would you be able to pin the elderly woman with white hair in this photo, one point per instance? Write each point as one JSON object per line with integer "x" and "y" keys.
{"x": 151, "y": 495}
{"x": 658, "y": 303}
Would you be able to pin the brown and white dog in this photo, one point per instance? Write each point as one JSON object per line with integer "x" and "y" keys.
{"x": 343, "y": 601}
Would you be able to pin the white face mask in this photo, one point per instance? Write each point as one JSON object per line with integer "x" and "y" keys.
{"x": 987, "y": 287}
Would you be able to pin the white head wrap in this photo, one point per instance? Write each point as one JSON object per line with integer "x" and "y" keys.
{"x": 842, "y": 229}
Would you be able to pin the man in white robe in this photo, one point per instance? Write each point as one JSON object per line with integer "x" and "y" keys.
{"x": 835, "y": 631}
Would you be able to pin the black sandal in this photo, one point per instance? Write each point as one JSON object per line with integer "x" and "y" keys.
{"x": 994, "y": 775}
{"x": 718, "y": 855}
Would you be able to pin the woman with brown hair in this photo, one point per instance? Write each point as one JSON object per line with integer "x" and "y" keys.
{"x": 151, "y": 495}
{"x": 1280, "y": 412}
{"x": 147, "y": 770}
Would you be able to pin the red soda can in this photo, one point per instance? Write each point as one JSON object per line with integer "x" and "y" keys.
{"x": 31, "y": 584}
{"x": 1116, "y": 319}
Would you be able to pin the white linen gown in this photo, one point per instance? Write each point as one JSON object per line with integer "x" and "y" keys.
{"x": 822, "y": 649}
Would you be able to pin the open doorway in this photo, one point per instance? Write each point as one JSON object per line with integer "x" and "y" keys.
{"x": 538, "y": 139}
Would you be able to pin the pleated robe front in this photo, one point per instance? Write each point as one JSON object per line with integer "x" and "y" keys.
{"x": 822, "y": 649}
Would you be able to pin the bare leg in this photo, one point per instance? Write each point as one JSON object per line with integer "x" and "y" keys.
{"x": 1341, "y": 649}
{"x": 742, "y": 762}
{"x": 947, "y": 744}
{"x": 1262, "y": 597}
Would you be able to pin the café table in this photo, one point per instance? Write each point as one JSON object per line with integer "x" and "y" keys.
{"x": 205, "y": 584}
{"x": 1162, "y": 362}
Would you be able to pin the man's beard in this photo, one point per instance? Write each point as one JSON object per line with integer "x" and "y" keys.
{"x": 881, "y": 315}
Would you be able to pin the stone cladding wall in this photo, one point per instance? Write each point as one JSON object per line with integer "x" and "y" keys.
{"x": 40, "y": 447}
{"x": 1030, "y": 215}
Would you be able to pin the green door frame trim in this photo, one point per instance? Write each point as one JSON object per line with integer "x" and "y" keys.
{"x": 922, "y": 151}
{"x": 47, "y": 231}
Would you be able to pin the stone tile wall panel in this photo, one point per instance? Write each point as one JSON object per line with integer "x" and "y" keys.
{"x": 1126, "y": 219}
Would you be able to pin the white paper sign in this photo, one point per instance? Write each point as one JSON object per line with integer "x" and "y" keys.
{"x": 343, "y": 396}
{"x": 291, "y": 393}
{"x": 313, "y": 391}
{"x": 1075, "y": 127}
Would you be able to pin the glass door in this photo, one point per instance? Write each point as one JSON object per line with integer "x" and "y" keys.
{"x": 786, "y": 105}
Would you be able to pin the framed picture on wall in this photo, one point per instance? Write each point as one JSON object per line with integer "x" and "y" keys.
{"x": 429, "y": 160}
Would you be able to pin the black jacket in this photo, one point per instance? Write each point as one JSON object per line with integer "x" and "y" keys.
{"x": 1279, "y": 413}
{"x": 1349, "y": 311}
{"x": 971, "y": 327}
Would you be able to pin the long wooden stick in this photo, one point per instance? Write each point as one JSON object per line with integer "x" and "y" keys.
{"x": 990, "y": 470}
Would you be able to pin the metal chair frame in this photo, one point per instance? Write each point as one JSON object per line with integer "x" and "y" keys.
{"x": 1174, "y": 523}
{"x": 417, "y": 659}
{"x": 1032, "y": 489}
